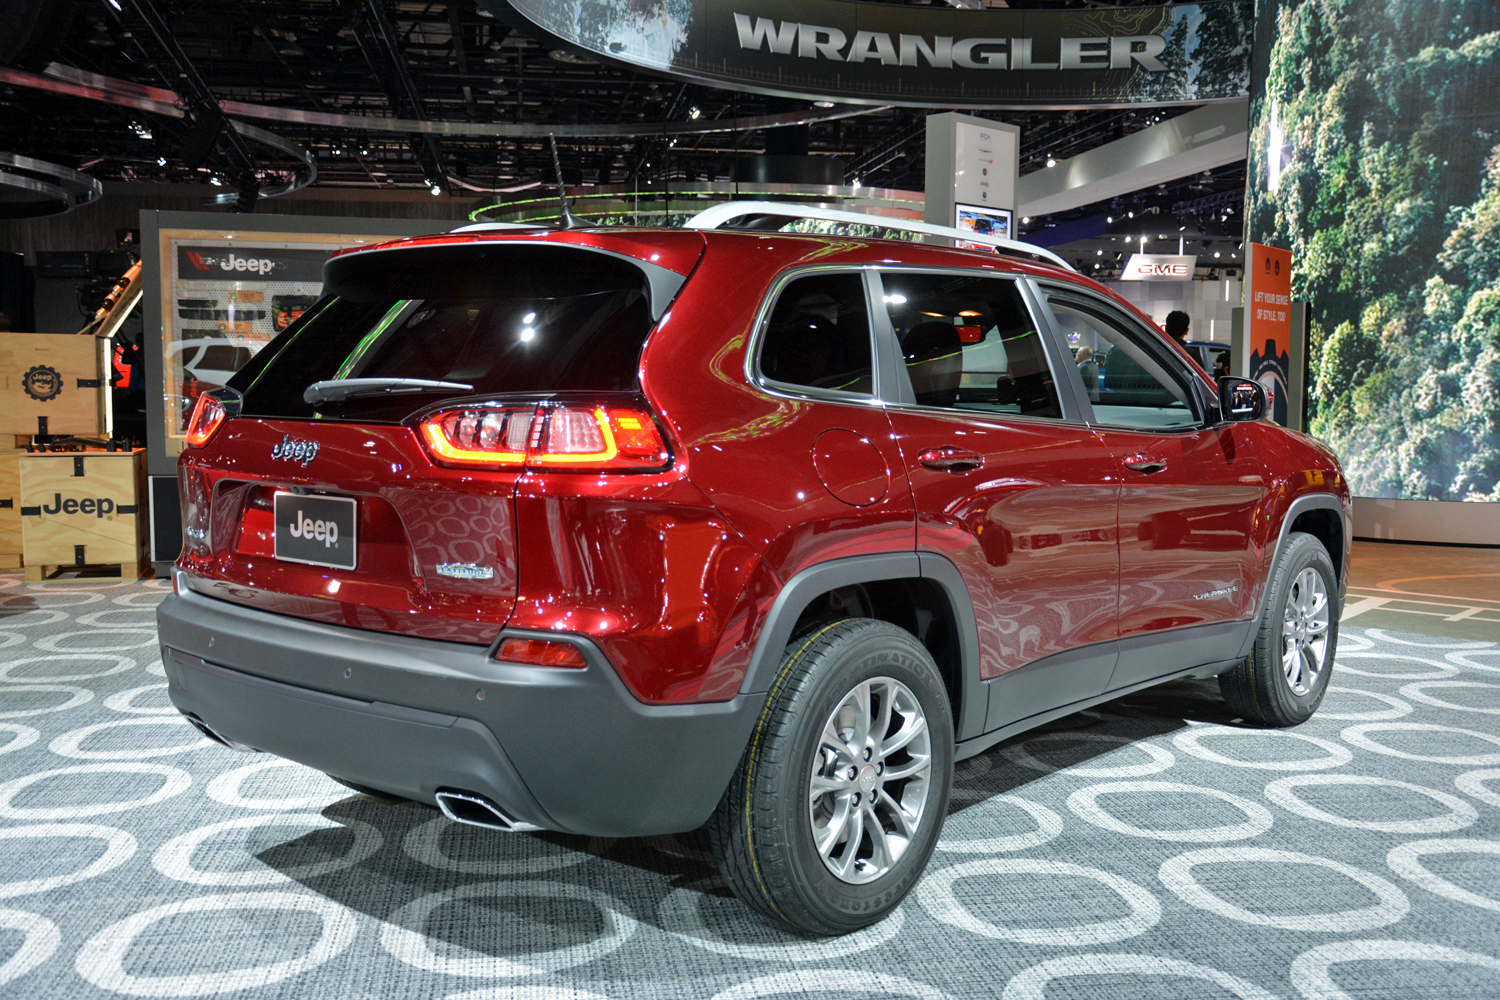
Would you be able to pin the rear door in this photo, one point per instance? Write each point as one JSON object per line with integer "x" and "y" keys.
{"x": 1009, "y": 484}
{"x": 1189, "y": 494}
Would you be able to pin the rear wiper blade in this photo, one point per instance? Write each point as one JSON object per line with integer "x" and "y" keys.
{"x": 336, "y": 390}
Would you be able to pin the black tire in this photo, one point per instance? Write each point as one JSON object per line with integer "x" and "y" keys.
{"x": 763, "y": 830}
{"x": 1261, "y": 689}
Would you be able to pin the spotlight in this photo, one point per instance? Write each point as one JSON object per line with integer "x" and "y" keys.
{"x": 694, "y": 113}
{"x": 1025, "y": 220}
{"x": 1051, "y": 162}
{"x": 437, "y": 189}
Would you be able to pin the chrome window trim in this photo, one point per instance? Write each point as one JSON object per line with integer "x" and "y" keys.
{"x": 787, "y": 390}
{"x": 1173, "y": 364}
{"x": 886, "y": 341}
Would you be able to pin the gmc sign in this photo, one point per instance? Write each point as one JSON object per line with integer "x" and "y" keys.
{"x": 1158, "y": 267}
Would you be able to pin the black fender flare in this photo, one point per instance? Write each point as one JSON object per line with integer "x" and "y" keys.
{"x": 1298, "y": 507}
{"x": 821, "y": 577}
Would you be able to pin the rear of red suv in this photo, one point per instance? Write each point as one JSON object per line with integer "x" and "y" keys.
{"x": 370, "y": 501}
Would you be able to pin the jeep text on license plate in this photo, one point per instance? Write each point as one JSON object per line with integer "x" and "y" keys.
{"x": 317, "y": 531}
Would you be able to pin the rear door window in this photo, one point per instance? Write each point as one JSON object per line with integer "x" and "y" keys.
{"x": 818, "y": 335}
{"x": 504, "y": 318}
{"x": 970, "y": 343}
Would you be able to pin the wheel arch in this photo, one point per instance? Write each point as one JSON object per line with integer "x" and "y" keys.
{"x": 900, "y": 586}
{"x": 1323, "y": 516}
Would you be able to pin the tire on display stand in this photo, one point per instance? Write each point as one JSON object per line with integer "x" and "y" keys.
{"x": 841, "y": 794}
{"x": 1282, "y": 682}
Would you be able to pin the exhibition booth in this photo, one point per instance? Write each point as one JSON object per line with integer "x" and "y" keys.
{"x": 521, "y": 500}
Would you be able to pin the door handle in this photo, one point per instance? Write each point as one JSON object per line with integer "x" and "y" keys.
{"x": 951, "y": 460}
{"x": 1144, "y": 464}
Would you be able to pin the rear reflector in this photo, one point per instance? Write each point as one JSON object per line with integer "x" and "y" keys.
{"x": 540, "y": 653}
{"x": 599, "y": 438}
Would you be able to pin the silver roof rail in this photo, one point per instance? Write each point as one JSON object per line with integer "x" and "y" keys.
{"x": 718, "y": 215}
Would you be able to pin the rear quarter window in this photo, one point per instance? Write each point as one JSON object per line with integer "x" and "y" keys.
{"x": 818, "y": 335}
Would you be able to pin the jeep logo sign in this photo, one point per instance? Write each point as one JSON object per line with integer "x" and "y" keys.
{"x": 202, "y": 262}
{"x": 1158, "y": 267}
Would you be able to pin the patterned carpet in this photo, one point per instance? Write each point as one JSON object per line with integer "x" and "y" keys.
{"x": 1149, "y": 848}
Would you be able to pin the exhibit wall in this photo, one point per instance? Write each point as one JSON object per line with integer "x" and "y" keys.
{"x": 1375, "y": 159}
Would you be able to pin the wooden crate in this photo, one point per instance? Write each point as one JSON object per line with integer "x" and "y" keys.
{"x": 84, "y": 508}
{"x": 10, "y": 508}
{"x": 57, "y": 378}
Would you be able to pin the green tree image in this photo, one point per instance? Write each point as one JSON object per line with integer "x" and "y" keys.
{"x": 1375, "y": 157}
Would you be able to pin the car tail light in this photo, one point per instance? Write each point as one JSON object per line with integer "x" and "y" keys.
{"x": 540, "y": 653}
{"x": 489, "y": 436}
{"x": 208, "y": 415}
{"x": 583, "y": 438}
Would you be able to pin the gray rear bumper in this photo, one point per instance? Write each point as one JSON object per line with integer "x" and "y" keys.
{"x": 569, "y": 750}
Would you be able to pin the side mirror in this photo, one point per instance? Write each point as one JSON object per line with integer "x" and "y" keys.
{"x": 1241, "y": 399}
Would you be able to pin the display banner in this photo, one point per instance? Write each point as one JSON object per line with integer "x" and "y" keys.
{"x": 240, "y": 262}
{"x": 924, "y": 56}
{"x": 1158, "y": 267}
{"x": 1268, "y": 313}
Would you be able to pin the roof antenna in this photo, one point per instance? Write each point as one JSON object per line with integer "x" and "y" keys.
{"x": 570, "y": 221}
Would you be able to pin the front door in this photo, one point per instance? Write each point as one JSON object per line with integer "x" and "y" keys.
{"x": 1189, "y": 494}
{"x": 1020, "y": 498}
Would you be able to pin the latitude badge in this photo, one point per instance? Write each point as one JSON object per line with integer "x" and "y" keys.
{"x": 42, "y": 383}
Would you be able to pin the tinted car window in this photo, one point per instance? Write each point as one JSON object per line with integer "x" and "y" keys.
{"x": 1130, "y": 380}
{"x": 504, "y": 319}
{"x": 970, "y": 344}
{"x": 819, "y": 335}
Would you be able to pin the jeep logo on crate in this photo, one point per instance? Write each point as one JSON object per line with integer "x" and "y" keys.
{"x": 97, "y": 506}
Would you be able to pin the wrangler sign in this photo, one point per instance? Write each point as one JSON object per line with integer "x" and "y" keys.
{"x": 864, "y": 53}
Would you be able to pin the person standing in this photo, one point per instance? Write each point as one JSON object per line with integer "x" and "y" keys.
{"x": 1177, "y": 326}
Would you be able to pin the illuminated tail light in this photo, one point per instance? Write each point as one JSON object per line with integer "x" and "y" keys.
{"x": 208, "y": 415}
{"x": 600, "y": 438}
{"x": 540, "y": 653}
{"x": 489, "y": 437}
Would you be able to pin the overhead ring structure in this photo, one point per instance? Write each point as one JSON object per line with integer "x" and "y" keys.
{"x": 94, "y": 87}
{"x": 60, "y": 79}
{"x": 53, "y": 190}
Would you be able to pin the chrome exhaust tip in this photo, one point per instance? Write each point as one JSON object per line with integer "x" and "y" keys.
{"x": 476, "y": 810}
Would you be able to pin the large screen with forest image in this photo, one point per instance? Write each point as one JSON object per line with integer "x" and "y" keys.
{"x": 1375, "y": 159}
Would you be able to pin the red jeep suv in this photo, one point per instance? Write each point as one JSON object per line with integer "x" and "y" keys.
{"x": 624, "y": 532}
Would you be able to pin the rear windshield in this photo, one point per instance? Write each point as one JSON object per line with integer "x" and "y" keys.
{"x": 502, "y": 318}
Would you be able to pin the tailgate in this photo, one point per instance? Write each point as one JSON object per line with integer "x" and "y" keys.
{"x": 434, "y": 548}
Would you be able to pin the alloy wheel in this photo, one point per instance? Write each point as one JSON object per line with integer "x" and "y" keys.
{"x": 1304, "y": 631}
{"x": 869, "y": 781}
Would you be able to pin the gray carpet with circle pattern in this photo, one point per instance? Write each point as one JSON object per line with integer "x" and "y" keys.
{"x": 1149, "y": 848}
